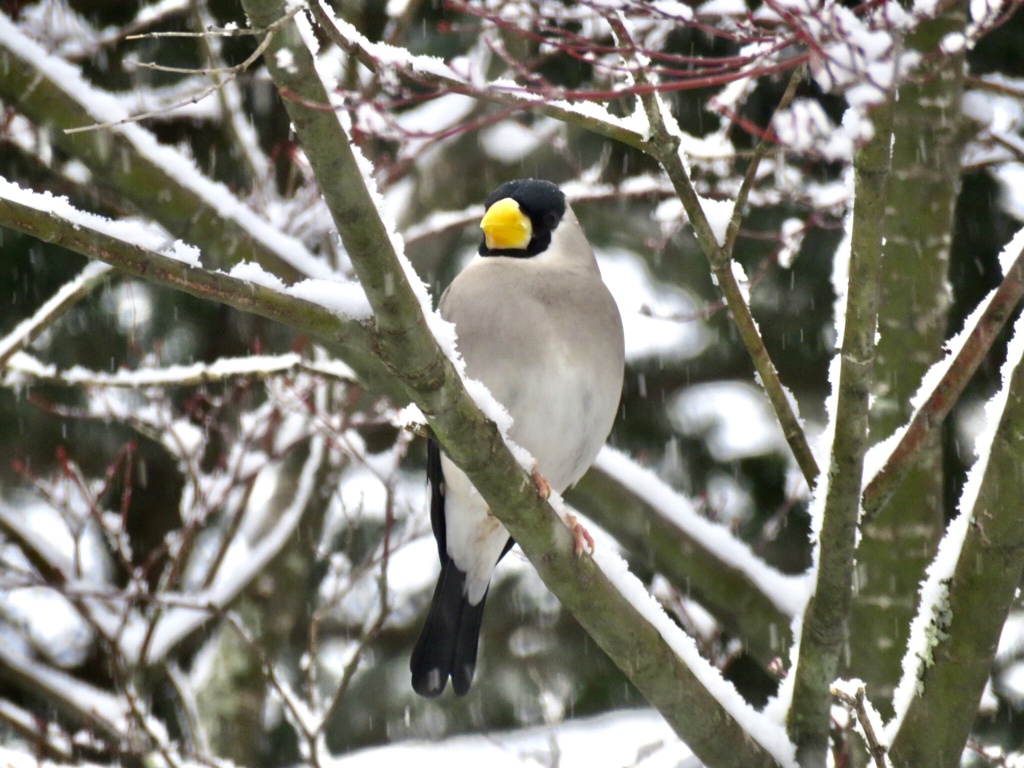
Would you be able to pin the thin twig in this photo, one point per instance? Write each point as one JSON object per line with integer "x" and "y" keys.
{"x": 766, "y": 142}
{"x": 858, "y": 703}
{"x": 663, "y": 145}
{"x": 232, "y": 72}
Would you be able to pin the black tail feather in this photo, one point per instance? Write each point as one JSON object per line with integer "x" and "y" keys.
{"x": 448, "y": 642}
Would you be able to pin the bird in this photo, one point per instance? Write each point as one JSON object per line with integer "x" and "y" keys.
{"x": 537, "y": 325}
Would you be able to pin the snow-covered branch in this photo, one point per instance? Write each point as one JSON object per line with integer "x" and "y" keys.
{"x": 836, "y": 504}
{"x": 128, "y": 160}
{"x": 24, "y": 369}
{"x": 969, "y": 590}
{"x": 407, "y": 345}
{"x": 428, "y": 70}
{"x": 753, "y": 601}
{"x": 943, "y": 385}
{"x": 25, "y": 333}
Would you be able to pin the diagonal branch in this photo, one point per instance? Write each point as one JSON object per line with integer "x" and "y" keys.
{"x": 746, "y": 601}
{"x": 645, "y": 653}
{"x": 932, "y": 413}
{"x": 970, "y": 588}
{"x": 401, "y": 336}
{"x": 663, "y": 144}
{"x": 157, "y": 180}
{"x": 90, "y": 278}
{"x": 751, "y": 600}
{"x": 659, "y": 144}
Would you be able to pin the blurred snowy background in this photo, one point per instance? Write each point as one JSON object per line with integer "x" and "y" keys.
{"x": 193, "y": 560}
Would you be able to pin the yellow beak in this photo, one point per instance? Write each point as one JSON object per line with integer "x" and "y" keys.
{"x": 505, "y": 226}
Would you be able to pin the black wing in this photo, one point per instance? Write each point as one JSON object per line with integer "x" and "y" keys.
{"x": 435, "y": 477}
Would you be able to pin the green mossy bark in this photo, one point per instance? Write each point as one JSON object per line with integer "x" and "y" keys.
{"x": 897, "y": 544}
{"x": 825, "y": 627}
{"x": 983, "y": 587}
{"x": 407, "y": 346}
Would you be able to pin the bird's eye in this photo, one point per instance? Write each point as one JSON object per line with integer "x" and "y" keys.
{"x": 550, "y": 220}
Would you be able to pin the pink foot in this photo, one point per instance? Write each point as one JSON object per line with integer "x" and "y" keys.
{"x": 580, "y": 535}
{"x": 542, "y": 485}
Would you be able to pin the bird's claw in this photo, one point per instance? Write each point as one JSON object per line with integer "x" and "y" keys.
{"x": 581, "y": 536}
{"x": 542, "y": 485}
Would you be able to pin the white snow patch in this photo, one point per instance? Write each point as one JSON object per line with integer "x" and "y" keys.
{"x": 718, "y": 213}
{"x": 792, "y": 232}
{"x": 509, "y": 142}
{"x": 344, "y": 298}
{"x": 629, "y": 737}
{"x": 673, "y": 9}
{"x": 410, "y": 417}
{"x": 146, "y": 235}
{"x": 658, "y": 319}
{"x": 252, "y": 272}
{"x": 787, "y": 593}
{"x": 978, "y": 107}
{"x": 722, "y": 8}
{"x": 954, "y": 42}
{"x": 735, "y": 416}
{"x": 1012, "y": 251}
{"x": 1011, "y": 683}
{"x": 50, "y": 622}
{"x": 926, "y": 630}
{"x": 1011, "y": 182}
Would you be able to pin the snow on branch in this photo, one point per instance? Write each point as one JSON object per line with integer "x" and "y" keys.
{"x": 888, "y": 462}
{"x": 970, "y": 586}
{"x": 749, "y": 599}
{"x": 52, "y": 92}
{"x": 87, "y": 704}
{"x": 406, "y": 343}
{"x": 23, "y": 368}
{"x": 146, "y": 252}
{"x": 94, "y": 275}
{"x": 429, "y": 70}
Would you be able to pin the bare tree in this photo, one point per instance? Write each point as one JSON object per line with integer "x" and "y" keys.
{"x": 219, "y": 554}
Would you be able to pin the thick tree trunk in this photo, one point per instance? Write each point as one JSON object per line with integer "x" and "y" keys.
{"x": 898, "y": 544}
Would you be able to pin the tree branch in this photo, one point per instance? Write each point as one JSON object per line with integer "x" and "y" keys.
{"x": 932, "y": 413}
{"x": 739, "y": 600}
{"x": 435, "y": 73}
{"x": 753, "y": 602}
{"x": 663, "y": 145}
{"x": 969, "y": 606}
{"x": 825, "y": 629}
{"x": 128, "y": 161}
{"x": 90, "y": 278}
{"x": 582, "y": 587}
{"x": 402, "y": 338}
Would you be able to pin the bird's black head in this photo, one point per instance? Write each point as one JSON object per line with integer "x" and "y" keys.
{"x": 520, "y": 217}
